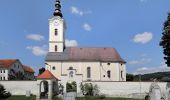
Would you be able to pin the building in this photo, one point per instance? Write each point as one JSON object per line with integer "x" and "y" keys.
{"x": 28, "y": 72}
{"x": 12, "y": 68}
{"x": 80, "y": 64}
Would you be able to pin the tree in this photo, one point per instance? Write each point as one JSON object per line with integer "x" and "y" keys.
{"x": 89, "y": 89}
{"x": 3, "y": 93}
{"x": 129, "y": 77}
{"x": 165, "y": 40}
{"x": 41, "y": 70}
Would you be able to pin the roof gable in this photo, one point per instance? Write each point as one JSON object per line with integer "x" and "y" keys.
{"x": 46, "y": 75}
{"x": 28, "y": 69}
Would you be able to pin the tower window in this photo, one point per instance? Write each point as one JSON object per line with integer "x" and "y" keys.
{"x": 56, "y": 47}
{"x": 109, "y": 74}
{"x": 88, "y": 72}
{"x": 56, "y": 31}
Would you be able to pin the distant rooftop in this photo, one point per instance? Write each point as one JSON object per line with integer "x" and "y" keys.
{"x": 86, "y": 54}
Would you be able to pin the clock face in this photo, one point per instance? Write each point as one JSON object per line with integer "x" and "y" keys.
{"x": 56, "y": 23}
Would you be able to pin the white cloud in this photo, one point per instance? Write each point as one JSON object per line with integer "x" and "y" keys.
{"x": 77, "y": 11}
{"x": 141, "y": 61}
{"x": 35, "y": 37}
{"x": 146, "y": 70}
{"x": 71, "y": 43}
{"x": 87, "y": 27}
{"x": 38, "y": 50}
{"x": 143, "y": 38}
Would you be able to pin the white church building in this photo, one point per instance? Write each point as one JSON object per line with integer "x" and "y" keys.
{"x": 80, "y": 64}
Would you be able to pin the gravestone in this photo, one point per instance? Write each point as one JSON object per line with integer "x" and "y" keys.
{"x": 155, "y": 92}
{"x": 168, "y": 90}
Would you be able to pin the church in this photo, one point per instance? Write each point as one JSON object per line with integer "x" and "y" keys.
{"x": 80, "y": 64}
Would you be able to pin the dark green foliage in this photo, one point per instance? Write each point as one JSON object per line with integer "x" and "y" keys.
{"x": 3, "y": 93}
{"x": 165, "y": 40}
{"x": 149, "y": 77}
{"x": 129, "y": 77}
{"x": 89, "y": 89}
{"x": 41, "y": 70}
{"x": 18, "y": 76}
{"x": 106, "y": 98}
{"x": 71, "y": 87}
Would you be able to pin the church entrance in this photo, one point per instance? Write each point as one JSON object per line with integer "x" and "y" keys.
{"x": 71, "y": 86}
{"x": 44, "y": 90}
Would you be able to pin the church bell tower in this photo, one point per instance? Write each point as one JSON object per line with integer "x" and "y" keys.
{"x": 56, "y": 30}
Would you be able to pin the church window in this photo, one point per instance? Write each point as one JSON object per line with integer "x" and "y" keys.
{"x": 88, "y": 72}
{"x": 71, "y": 74}
{"x": 53, "y": 68}
{"x": 56, "y": 47}
{"x": 109, "y": 74}
{"x": 56, "y": 31}
{"x": 4, "y": 71}
{"x": 121, "y": 74}
{"x": 108, "y": 63}
{"x": 103, "y": 75}
{"x": 4, "y": 78}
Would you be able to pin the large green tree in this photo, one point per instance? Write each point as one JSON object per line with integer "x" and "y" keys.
{"x": 165, "y": 40}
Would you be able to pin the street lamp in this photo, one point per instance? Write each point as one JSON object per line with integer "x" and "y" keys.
{"x": 48, "y": 65}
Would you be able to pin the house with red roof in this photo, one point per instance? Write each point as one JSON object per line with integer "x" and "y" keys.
{"x": 12, "y": 69}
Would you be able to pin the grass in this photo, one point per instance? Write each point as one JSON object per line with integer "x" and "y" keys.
{"x": 21, "y": 97}
{"x": 102, "y": 98}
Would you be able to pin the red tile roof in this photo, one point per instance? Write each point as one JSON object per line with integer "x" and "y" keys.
{"x": 6, "y": 63}
{"x": 28, "y": 69}
{"x": 86, "y": 54}
{"x": 46, "y": 75}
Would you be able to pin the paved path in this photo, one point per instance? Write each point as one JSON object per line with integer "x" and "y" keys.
{"x": 70, "y": 96}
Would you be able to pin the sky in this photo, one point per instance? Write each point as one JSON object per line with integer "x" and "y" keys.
{"x": 133, "y": 27}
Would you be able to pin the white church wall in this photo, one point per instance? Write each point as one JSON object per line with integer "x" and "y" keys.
{"x": 98, "y": 70}
{"x": 127, "y": 89}
{"x": 20, "y": 87}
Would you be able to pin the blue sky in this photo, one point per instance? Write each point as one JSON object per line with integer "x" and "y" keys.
{"x": 133, "y": 27}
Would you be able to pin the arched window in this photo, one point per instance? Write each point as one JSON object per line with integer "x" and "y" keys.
{"x": 121, "y": 74}
{"x": 56, "y": 48}
{"x": 108, "y": 73}
{"x": 88, "y": 72}
{"x": 56, "y": 32}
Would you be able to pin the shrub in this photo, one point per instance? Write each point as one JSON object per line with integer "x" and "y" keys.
{"x": 3, "y": 93}
{"x": 89, "y": 89}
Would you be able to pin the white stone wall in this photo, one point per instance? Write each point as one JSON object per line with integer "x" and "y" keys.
{"x": 127, "y": 89}
{"x": 20, "y": 87}
{"x": 112, "y": 89}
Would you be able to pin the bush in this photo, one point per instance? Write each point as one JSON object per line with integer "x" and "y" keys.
{"x": 3, "y": 93}
{"x": 89, "y": 89}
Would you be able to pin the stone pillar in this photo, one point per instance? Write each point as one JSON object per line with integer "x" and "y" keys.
{"x": 38, "y": 93}
{"x": 50, "y": 91}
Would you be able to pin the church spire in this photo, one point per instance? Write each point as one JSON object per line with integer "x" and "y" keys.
{"x": 57, "y": 11}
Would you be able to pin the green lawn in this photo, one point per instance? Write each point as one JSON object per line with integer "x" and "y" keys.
{"x": 99, "y": 98}
{"x": 27, "y": 98}
{"x": 21, "y": 98}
